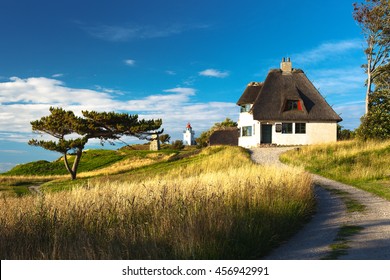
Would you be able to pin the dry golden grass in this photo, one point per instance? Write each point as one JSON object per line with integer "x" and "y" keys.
{"x": 362, "y": 164}
{"x": 220, "y": 206}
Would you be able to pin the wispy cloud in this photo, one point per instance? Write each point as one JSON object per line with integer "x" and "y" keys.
{"x": 58, "y": 75}
{"x": 24, "y": 100}
{"x": 214, "y": 73}
{"x": 343, "y": 80}
{"x": 13, "y": 151}
{"x": 130, "y": 62}
{"x": 128, "y": 32}
{"x": 5, "y": 166}
{"x": 170, "y": 72}
{"x": 328, "y": 50}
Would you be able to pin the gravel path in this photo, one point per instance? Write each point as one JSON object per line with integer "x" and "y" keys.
{"x": 312, "y": 242}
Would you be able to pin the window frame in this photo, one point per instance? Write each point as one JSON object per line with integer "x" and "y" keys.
{"x": 287, "y": 128}
{"x": 298, "y": 128}
{"x": 245, "y": 108}
{"x": 293, "y": 105}
{"x": 246, "y": 131}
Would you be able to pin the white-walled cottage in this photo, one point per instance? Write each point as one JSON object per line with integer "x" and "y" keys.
{"x": 285, "y": 109}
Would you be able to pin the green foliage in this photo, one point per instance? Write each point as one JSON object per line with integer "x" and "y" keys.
{"x": 165, "y": 138}
{"x": 376, "y": 123}
{"x": 344, "y": 134}
{"x": 178, "y": 145}
{"x": 373, "y": 18}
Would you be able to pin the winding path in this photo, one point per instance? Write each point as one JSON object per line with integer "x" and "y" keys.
{"x": 35, "y": 190}
{"x": 314, "y": 240}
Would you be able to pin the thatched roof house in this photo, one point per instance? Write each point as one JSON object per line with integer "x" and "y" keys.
{"x": 285, "y": 109}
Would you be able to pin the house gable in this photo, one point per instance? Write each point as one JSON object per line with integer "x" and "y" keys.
{"x": 250, "y": 93}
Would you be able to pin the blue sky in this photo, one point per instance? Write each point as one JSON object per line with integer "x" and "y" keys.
{"x": 182, "y": 61}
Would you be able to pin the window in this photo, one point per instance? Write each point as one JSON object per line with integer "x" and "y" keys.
{"x": 245, "y": 108}
{"x": 247, "y": 131}
{"x": 300, "y": 128}
{"x": 278, "y": 127}
{"x": 286, "y": 128}
{"x": 292, "y": 105}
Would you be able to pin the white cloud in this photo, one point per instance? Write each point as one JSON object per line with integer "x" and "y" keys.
{"x": 58, "y": 75}
{"x": 13, "y": 151}
{"x": 214, "y": 73}
{"x": 343, "y": 80}
{"x": 170, "y": 72}
{"x": 5, "y": 166}
{"x": 328, "y": 50}
{"x": 25, "y": 100}
{"x": 130, "y": 62}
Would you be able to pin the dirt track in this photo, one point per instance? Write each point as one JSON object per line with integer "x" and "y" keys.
{"x": 313, "y": 241}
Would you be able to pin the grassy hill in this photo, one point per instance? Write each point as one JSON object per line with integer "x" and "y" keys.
{"x": 365, "y": 165}
{"x": 91, "y": 160}
{"x": 93, "y": 163}
{"x": 214, "y": 204}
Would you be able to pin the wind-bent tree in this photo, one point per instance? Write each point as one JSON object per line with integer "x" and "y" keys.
{"x": 73, "y": 132}
{"x": 373, "y": 18}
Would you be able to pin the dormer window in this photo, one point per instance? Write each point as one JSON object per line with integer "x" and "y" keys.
{"x": 245, "y": 108}
{"x": 292, "y": 105}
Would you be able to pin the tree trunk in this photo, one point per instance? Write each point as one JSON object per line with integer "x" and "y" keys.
{"x": 76, "y": 162}
{"x": 73, "y": 170}
{"x": 369, "y": 83}
{"x": 368, "y": 92}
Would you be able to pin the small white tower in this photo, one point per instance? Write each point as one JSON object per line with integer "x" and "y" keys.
{"x": 188, "y": 136}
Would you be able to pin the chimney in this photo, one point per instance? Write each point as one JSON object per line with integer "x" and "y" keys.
{"x": 286, "y": 65}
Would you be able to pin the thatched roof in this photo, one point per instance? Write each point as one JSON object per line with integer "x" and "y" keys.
{"x": 278, "y": 88}
{"x": 250, "y": 93}
{"x": 228, "y": 136}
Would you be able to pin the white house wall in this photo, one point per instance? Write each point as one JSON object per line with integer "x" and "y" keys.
{"x": 246, "y": 119}
{"x": 316, "y": 133}
{"x": 321, "y": 132}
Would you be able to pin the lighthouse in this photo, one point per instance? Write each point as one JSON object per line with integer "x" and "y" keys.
{"x": 188, "y": 136}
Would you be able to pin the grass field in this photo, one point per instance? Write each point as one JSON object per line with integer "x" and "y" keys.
{"x": 212, "y": 205}
{"x": 365, "y": 165}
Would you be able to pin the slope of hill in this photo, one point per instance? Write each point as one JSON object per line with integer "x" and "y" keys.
{"x": 91, "y": 160}
{"x": 365, "y": 165}
{"x": 216, "y": 204}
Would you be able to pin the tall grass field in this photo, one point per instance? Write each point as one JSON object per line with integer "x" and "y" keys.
{"x": 365, "y": 165}
{"x": 216, "y": 205}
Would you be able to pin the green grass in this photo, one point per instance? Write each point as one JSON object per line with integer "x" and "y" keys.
{"x": 365, "y": 165}
{"x": 340, "y": 245}
{"x": 90, "y": 160}
{"x": 351, "y": 204}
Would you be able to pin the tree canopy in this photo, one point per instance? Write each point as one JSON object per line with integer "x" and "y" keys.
{"x": 373, "y": 17}
{"x": 73, "y": 132}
